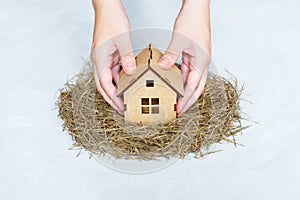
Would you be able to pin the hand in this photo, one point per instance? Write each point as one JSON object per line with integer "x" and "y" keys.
{"x": 111, "y": 45}
{"x": 191, "y": 39}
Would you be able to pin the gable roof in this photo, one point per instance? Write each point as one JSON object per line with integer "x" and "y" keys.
{"x": 147, "y": 60}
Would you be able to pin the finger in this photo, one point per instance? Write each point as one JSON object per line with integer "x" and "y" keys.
{"x": 176, "y": 46}
{"x": 116, "y": 73}
{"x": 168, "y": 60}
{"x": 184, "y": 70}
{"x": 124, "y": 45}
{"x": 128, "y": 63}
{"x": 193, "y": 80}
{"x": 197, "y": 93}
{"x": 104, "y": 95}
{"x": 110, "y": 90}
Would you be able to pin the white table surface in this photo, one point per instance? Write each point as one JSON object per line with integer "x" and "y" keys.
{"x": 41, "y": 45}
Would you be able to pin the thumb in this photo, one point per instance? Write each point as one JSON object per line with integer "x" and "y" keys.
{"x": 124, "y": 46}
{"x": 176, "y": 46}
{"x": 168, "y": 59}
{"x": 128, "y": 63}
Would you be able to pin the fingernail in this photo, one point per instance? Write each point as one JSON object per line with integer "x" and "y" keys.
{"x": 130, "y": 67}
{"x": 164, "y": 62}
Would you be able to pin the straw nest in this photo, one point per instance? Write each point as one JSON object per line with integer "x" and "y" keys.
{"x": 98, "y": 129}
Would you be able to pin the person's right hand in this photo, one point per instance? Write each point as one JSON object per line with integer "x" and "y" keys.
{"x": 111, "y": 45}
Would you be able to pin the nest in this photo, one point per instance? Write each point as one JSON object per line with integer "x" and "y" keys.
{"x": 98, "y": 129}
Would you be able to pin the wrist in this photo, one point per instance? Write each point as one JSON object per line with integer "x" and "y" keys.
{"x": 109, "y": 9}
{"x": 196, "y": 3}
{"x": 100, "y": 3}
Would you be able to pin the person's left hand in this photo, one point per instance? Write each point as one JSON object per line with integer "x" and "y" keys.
{"x": 191, "y": 40}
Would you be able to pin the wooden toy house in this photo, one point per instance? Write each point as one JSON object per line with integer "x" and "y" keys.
{"x": 151, "y": 93}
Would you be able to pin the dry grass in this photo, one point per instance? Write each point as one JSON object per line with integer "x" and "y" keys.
{"x": 95, "y": 127}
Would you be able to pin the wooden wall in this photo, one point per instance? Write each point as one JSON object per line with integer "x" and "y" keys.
{"x": 132, "y": 99}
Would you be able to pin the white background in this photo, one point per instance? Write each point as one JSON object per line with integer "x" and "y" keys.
{"x": 41, "y": 45}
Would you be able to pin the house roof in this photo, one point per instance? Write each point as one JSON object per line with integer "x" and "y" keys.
{"x": 147, "y": 60}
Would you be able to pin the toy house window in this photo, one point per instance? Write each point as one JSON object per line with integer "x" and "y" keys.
{"x": 145, "y": 101}
{"x": 155, "y": 110}
{"x": 154, "y": 101}
{"x": 149, "y": 83}
{"x": 145, "y": 110}
{"x": 148, "y": 105}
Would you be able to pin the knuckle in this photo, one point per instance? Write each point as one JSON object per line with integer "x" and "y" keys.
{"x": 127, "y": 56}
